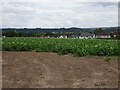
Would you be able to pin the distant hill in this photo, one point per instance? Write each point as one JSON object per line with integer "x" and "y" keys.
{"x": 46, "y": 30}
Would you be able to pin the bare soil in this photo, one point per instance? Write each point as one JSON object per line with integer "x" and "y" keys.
{"x": 49, "y": 70}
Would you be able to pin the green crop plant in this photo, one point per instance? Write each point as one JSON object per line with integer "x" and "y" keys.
{"x": 79, "y": 47}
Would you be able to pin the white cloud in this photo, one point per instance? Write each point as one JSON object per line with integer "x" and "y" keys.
{"x": 56, "y": 13}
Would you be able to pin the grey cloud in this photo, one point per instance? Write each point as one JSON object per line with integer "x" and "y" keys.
{"x": 53, "y": 14}
{"x": 107, "y": 4}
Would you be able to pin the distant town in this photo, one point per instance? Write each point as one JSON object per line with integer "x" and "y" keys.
{"x": 82, "y": 33}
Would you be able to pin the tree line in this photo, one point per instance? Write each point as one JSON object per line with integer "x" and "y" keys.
{"x": 16, "y": 33}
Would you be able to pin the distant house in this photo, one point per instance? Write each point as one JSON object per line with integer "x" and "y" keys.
{"x": 63, "y": 36}
{"x": 73, "y": 36}
{"x": 86, "y": 35}
{"x": 115, "y": 34}
{"x": 103, "y": 35}
{"x": 83, "y": 35}
{"x": 3, "y": 36}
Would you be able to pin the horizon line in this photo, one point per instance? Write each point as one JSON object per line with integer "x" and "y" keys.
{"x": 55, "y": 27}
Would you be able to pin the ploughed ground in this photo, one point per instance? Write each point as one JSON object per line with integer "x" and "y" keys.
{"x": 50, "y": 70}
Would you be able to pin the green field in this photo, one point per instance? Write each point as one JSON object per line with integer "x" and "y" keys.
{"x": 78, "y": 47}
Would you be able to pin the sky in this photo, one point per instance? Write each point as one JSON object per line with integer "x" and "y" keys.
{"x": 58, "y": 13}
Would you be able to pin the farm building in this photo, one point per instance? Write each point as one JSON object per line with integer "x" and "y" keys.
{"x": 86, "y": 35}
{"x": 83, "y": 35}
{"x": 115, "y": 34}
{"x": 73, "y": 36}
{"x": 103, "y": 35}
{"x": 63, "y": 36}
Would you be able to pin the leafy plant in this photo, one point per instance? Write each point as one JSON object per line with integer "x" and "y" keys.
{"x": 79, "y": 47}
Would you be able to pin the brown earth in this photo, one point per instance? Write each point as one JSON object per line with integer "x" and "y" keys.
{"x": 49, "y": 70}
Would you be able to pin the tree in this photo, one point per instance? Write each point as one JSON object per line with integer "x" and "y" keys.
{"x": 98, "y": 31}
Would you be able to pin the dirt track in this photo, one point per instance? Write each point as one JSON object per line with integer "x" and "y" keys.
{"x": 49, "y": 70}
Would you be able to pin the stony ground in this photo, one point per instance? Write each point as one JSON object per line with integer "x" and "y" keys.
{"x": 49, "y": 70}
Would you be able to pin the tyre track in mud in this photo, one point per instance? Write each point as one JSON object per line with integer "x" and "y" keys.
{"x": 46, "y": 76}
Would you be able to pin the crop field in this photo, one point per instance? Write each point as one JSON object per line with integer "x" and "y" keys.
{"x": 77, "y": 47}
{"x": 28, "y": 62}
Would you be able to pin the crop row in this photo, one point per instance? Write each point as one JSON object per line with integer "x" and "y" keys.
{"x": 79, "y": 47}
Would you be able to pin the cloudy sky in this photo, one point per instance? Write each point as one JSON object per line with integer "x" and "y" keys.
{"x": 59, "y": 13}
